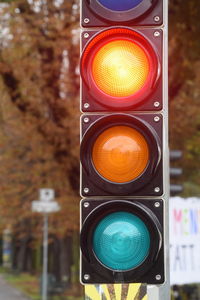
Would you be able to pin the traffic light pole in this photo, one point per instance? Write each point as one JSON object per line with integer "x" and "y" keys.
{"x": 163, "y": 292}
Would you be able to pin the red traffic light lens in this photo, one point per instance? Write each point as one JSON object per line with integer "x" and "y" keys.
{"x": 120, "y": 154}
{"x": 120, "y": 68}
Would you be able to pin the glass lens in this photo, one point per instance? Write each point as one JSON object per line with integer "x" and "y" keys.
{"x": 120, "y": 68}
{"x": 121, "y": 241}
{"x": 119, "y": 5}
{"x": 120, "y": 154}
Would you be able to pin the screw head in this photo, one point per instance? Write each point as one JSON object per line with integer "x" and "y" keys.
{"x": 156, "y": 33}
{"x": 156, "y": 18}
{"x": 86, "y": 190}
{"x": 157, "y": 204}
{"x": 158, "y": 277}
{"x": 157, "y": 189}
{"x": 156, "y": 119}
{"x": 86, "y": 276}
{"x": 86, "y": 105}
{"x": 86, "y": 204}
{"x": 86, "y": 120}
{"x": 86, "y": 35}
{"x": 156, "y": 104}
{"x": 86, "y": 20}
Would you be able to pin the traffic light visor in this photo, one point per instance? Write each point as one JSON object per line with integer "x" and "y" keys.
{"x": 120, "y": 68}
{"x": 121, "y": 241}
{"x": 119, "y": 5}
{"x": 120, "y": 154}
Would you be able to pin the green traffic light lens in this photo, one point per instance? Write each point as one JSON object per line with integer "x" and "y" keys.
{"x": 121, "y": 241}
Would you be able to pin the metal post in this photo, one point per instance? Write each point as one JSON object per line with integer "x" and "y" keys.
{"x": 163, "y": 292}
{"x": 45, "y": 258}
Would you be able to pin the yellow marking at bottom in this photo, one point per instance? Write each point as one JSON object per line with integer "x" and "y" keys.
{"x": 92, "y": 293}
{"x": 118, "y": 291}
{"x": 133, "y": 290}
{"x": 106, "y": 292}
{"x": 145, "y": 297}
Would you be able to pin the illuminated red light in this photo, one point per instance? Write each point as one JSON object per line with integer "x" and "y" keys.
{"x": 119, "y": 67}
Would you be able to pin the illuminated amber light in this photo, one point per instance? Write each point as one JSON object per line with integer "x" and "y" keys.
{"x": 120, "y": 154}
{"x": 120, "y": 68}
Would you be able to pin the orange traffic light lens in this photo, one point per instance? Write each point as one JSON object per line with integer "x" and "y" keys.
{"x": 120, "y": 68}
{"x": 120, "y": 154}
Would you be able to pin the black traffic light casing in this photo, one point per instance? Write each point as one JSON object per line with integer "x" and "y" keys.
{"x": 150, "y": 183}
{"x": 93, "y": 100}
{"x": 151, "y": 212}
{"x": 144, "y": 26}
{"x": 148, "y": 12}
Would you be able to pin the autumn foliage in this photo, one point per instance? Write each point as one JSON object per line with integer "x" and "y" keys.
{"x": 39, "y": 109}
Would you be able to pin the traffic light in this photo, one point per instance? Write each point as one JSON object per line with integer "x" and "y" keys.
{"x": 122, "y": 241}
{"x": 121, "y": 154}
{"x": 121, "y": 69}
{"x": 124, "y": 144}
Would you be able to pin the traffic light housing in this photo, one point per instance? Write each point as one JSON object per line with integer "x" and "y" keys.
{"x": 136, "y": 169}
{"x": 124, "y": 146}
{"x": 121, "y": 70}
{"x": 122, "y": 241}
{"x": 103, "y": 13}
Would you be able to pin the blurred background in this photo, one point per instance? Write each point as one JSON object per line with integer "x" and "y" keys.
{"x": 39, "y": 133}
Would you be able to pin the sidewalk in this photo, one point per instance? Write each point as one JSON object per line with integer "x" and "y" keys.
{"x": 8, "y": 292}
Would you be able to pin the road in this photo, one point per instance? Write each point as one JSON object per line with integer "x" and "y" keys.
{"x": 8, "y": 292}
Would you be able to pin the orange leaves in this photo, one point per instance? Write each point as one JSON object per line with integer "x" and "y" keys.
{"x": 39, "y": 112}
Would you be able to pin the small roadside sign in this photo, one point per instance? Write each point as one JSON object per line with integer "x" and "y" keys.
{"x": 45, "y": 207}
{"x": 46, "y": 204}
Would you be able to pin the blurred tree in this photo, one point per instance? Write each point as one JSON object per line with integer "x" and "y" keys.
{"x": 39, "y": 124}
{"x": 39, "y": 108}
{"x": 184, "y": 88}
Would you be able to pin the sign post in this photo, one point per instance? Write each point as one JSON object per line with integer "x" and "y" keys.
{"x": 45, "y": 205}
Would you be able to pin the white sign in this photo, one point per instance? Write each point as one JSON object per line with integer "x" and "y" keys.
{"x": 47, "y": 194}
{"x": 45, "y": 207}
{"x": 184, "y": 240}
{"x": 46, "y": 203}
